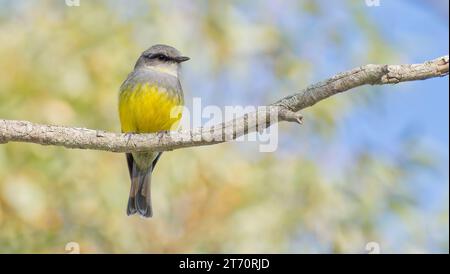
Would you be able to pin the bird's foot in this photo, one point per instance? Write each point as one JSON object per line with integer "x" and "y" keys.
{"x": 161, "y": 133}
{"x": 128, "y": 135}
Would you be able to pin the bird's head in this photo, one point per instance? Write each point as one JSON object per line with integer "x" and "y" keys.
{"x": 162, "y": 58}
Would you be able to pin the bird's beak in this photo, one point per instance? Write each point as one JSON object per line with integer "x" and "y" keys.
{"x": 180, "y": 59}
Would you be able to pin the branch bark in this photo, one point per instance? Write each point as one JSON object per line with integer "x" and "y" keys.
{"x": 285, "y": 109}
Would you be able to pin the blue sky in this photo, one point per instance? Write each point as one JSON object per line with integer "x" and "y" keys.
{"x": 414, "y": 111}
{"x": 419, "y": 109}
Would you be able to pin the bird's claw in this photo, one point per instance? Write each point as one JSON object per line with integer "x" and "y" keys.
{"x": 161, "y": 134}
{"x": 128, "y": 136}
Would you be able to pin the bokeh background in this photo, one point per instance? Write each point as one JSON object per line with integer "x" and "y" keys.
{"x": 367, "y": 165}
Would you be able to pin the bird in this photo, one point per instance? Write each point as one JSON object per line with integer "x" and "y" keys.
{"x": 150, "y": 101}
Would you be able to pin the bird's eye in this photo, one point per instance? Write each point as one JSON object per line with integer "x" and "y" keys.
{"x": 162, "y": 57}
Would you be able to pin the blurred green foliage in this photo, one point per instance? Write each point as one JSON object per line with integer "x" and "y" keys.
{"x": 64, "y": 65}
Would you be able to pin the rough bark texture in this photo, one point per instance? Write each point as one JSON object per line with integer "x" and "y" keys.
{"x": 285, "y": 109}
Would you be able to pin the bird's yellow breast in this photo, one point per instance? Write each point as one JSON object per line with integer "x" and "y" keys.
{"x": 147, "y": 108}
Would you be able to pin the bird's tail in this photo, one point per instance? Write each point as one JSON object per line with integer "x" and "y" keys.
{"x": 140, "y": 199}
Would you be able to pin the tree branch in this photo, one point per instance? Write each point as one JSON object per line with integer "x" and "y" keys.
{"x": 285, "y": 109}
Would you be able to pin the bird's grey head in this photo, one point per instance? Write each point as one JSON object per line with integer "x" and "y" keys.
{"x": 161, "y": 58}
